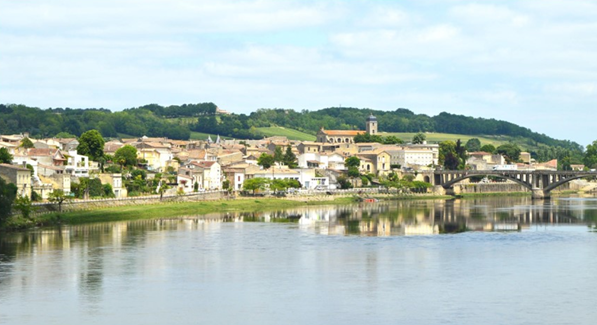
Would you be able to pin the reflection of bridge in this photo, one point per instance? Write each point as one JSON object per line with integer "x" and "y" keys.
{"x": 539, "y": 182}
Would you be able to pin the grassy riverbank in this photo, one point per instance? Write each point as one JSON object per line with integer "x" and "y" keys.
{"x": 164, "y": 210}
{"x": 179, "y": 209}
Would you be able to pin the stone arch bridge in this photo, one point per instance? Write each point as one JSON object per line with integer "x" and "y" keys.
{"x": 541, "y": 183}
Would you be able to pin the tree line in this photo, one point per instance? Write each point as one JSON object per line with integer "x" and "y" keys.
{"x": 161, "y": 121}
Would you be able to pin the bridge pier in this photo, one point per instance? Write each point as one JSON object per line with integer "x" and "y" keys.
{"x": 540, "y": 194}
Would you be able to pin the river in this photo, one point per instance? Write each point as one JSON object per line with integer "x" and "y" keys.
{"x": 499, "y": 260}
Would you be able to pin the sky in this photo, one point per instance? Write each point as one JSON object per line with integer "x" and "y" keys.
{"x": 533, "y": 63}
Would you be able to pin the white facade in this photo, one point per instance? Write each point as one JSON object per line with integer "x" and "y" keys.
{"x": 321, "y": 160}
{"x": 77, "y": 165}
{"x": 415, "y": 155}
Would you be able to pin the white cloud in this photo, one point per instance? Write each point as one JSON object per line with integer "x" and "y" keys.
{"x": 483, "y": 15}
{"x": 501, "y": 59}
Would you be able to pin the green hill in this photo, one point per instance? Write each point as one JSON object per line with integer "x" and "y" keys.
{"x": 289, "y": 133}
{"x": 433, "y": 137}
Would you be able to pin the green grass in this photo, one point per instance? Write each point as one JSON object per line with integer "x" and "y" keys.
{"x": 291, "y": 134}
{"x": 495, "y": 140}
{"x": 177, "y": 209}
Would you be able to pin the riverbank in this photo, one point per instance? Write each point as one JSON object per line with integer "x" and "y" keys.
{"x": 167, "y": 209}
{"x": 240, "y": 204}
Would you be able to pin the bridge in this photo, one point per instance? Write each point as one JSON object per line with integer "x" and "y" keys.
{"x": 541, "y": 183}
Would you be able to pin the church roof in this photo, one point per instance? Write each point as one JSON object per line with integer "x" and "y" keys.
{"x": 372, "y": 118}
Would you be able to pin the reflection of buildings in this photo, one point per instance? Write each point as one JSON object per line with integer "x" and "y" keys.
{"x": 406, "y": 218}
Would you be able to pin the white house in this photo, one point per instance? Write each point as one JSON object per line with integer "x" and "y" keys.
{"x": 415, "y": 155}
{"x": 77, "y": 165}
{"x": 207, "y": 175}
{"x": 321, "y": 160}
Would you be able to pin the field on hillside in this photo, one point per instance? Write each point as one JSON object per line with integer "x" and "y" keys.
{"x": 291, "y": 134}
{"x": 497, "y": 140}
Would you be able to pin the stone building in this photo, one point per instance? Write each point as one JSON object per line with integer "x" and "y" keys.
{"x": 20, "y": 176}
{"x": 347, "y": 136}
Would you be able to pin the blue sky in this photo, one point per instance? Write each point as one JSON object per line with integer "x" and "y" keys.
{"x": 529, "y": 62}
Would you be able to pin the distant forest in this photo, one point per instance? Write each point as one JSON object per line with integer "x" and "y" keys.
{"x": 156, "y": 121}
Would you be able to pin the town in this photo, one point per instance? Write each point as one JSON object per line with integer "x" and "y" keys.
{"x": 90, "y": 167}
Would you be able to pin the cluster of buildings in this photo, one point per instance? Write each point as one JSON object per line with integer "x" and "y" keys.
{"x": 206, "y": 165}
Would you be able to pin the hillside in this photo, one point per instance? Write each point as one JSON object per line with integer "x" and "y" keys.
{"x": 289, "y": 133}
{"x": 197, "y": 120}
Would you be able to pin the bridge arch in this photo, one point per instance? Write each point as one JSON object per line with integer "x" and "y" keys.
{"x": 506, "y": 176}
{"x": 565, "y": 180}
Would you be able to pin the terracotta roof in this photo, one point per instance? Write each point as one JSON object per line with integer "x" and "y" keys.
{"x": 479, "y": 153}
{"x": 66, "y": 140}
{"x": 552, "y": 164}
{"x": 112, "y": 147}
{"x": 49, "y": 167}
{"x": 41, "y": 152}
{"x": 14, "y": 167}
{"x": 204, "y": 164}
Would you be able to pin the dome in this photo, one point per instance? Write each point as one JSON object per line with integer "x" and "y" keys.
{"x": 372, "y": 118}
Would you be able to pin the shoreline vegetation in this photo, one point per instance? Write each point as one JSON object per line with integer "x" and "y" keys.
{"x": 246, "y": 204}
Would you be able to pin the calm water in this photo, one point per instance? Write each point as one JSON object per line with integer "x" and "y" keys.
{"x": 488, "y": 261}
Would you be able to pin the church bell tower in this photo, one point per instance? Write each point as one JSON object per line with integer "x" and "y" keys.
{"x": 371, "y": 125}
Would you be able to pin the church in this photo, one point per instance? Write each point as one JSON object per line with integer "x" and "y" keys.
{"x": 346, "y": 136}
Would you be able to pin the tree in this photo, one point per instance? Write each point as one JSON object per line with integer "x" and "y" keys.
{"x": 392, "y": 140}
{"x": 64, "y": 135}
{"x": 565, "y": 164}
{"x": 451, "y": 161}
{"x": 91, "y": 144}
{"x": 8, "y": 193}
{"x": 290, "y": 158}
{"x": 353, "y": 172}
{"x": 461, "y": 154}
{"x": 344, "y": 183}
{"x": 57, "y": 196}
{"x": 487, "y": 148}
{"x": 26, "y": 143}
{"x": 510, "y": 151}
{"x": 5, "y": 156}
{"x": 419, "y": 138}
{"x": 353, "y": 162}
{"x": 445, "y": 148}
{"x": 278, "y": 155}
{"x": 473, "y": 145}
{"x": 126, "y": 156}
{"x": 23, "y": 204}
{"x": 265, "y": 160}
{"x": 590, "y": 158}
{"x": 366, "y": 137}
{"x": 253, "y": 184}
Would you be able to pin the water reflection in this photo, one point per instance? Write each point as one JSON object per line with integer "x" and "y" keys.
{"x": 430, "y": 217}
{"x": 233, "y": 260}
{"x": 385, "y": 218}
